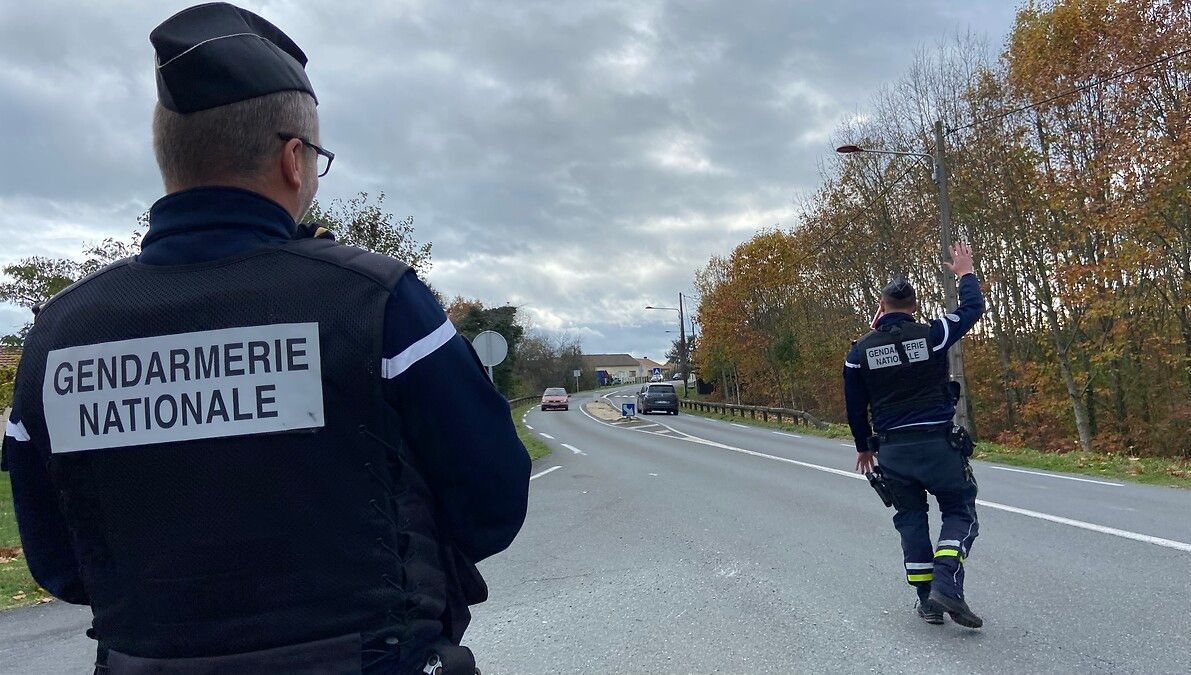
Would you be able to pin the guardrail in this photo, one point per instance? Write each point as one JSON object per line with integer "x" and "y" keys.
{"x": 513, "y": 402}
{"x": 800, "y": 416}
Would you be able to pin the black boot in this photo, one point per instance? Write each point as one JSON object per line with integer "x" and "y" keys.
{"x": 958, "y": 609}
{"x": 929, "y": 612}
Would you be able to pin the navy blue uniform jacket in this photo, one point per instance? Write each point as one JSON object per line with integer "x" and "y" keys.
{"x": 454, "y": 421}
{"x": 944, "y": 332}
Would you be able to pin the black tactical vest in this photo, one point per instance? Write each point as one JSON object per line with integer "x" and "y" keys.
{"x": 237, "y": 543}
{"x": 901, "y": 370}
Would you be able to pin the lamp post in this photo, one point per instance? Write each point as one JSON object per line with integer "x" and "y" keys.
{"x": 681, "y": 342}
{"x": 938, "y": 160}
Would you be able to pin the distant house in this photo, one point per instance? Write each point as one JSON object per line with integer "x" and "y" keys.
{"x": 621, "y": 367}
{"x": 648, "y": 364}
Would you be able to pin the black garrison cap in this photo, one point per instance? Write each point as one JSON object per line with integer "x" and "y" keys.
{"x": 215, "y": 54}
{"x": 898, "y": 289}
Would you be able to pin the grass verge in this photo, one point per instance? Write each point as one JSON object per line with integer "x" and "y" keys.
{"x": 17, "y": 587}
{"x": 1151, "y": 470}
{"x": 537, "y": 449}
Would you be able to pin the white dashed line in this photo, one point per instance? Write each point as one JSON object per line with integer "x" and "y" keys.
{"x": 1052, "y": 475}
{"x": 847, "y": 445}
{"x": 742, "y": 426}
{"x": 529, "y": 427}
{"x": 545, "y": 435}
{"x": 573, "y": 449}
{"x": 782, "y": 433}
{"x": 543, "y": 473}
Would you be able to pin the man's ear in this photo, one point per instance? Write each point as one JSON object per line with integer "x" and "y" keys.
{"x": 291, "y": 163}
{"x": 881, "y": 305}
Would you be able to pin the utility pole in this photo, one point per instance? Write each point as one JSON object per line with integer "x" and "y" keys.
{"x": 955, "y": 355}
{"x": 682, "y": 356}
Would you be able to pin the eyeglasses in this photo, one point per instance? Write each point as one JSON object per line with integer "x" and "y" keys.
{"x": 325, "y": 157}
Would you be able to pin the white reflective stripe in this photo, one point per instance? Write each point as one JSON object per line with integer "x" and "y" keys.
{"x": 917, "y": 424}
{"x": 949, "y": 542}
{"x": 851, "y": 365}
{"x": 920, "y": 566}
{"x": 17, "y": 431}
{"x": 946, "y": 334}
{"x": 394, "y": 366}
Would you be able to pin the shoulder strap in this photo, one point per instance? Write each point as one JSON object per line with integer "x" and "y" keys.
{"x": 37, "y": 309}
{"x": 380, "y": 268}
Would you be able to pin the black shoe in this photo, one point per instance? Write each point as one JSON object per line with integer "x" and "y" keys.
{"x": 958, "y": 609}
{"x": 930, "y": 612}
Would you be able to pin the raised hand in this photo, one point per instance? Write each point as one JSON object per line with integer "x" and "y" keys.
{"x": 961, "y": 259}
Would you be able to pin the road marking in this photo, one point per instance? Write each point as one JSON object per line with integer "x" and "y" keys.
{"x": 782, "y": 433}
{"x": 545, "y": 435}
{"x": 1124, "y": 534}
{"x": 573, "y": 449}
{"x": 847, "y": 445}
{"x": 738, "y": 425}
{"x": 653, "y": 474}
{"x": 1054, "y": 475}
{"x": 529, "y": 427}
{"x": 543, "y": 473}
{"x": 1102, "y": 529}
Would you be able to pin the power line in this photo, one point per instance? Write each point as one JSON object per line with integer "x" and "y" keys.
{"x": 839, "y": 230}
{"x": 1065, "y": 94}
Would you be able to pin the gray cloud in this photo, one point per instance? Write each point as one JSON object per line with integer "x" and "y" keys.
{"x": 581, "y": 159}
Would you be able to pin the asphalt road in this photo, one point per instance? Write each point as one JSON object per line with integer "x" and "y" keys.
{"x": 698, "y": 546}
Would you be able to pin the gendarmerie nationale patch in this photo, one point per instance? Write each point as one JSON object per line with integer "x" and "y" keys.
{"x": 882, "y": 357}
{"x": 187, "y": 386}
{"x": 916, "y": 350}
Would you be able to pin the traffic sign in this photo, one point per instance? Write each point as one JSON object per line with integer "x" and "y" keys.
{"x": 657, "y": 371}
{"x": 492, "y": 348}
{"x": 575, "y": 373}
{"x": 628, "y": 409}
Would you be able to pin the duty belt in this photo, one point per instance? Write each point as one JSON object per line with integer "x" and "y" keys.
{"x": 910, "y": 432}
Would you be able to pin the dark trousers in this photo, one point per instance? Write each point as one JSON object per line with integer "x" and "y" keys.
{"x": 914, "y": 464}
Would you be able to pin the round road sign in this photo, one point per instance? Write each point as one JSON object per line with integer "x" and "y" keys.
{"x": 491, "y": 347}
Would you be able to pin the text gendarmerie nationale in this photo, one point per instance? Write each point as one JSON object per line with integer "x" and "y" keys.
{"x": 224, "y": 402}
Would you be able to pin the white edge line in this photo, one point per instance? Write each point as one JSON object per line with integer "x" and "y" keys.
{"x": 782, "y": 433}
{"x": 573, "y": 449}
{"x": 1124, "y": 534}
{"x": 1055, "y": 475}
{"x": 742, "y": 426}
{"x": 545, "y": 435}
{"x": 543, "y": 473}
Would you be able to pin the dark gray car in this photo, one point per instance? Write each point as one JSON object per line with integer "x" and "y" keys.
{"x": 657, "y": 398}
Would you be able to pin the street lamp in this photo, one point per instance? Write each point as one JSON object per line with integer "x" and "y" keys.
{"x": 682, "y": 356}
{"x": 938, "y": 160}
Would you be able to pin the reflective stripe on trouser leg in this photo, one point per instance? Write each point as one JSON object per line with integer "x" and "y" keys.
{"x": 949, "y": 571}
{"x": 919, "y": 572}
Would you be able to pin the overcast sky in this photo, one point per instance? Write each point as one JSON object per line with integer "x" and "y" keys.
{"x": 580, "y": 159}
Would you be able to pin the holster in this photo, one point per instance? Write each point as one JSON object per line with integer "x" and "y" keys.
{"x": 961, "y": 441}
{"x": 876, "y": 478}
{"x": 446, "y": 658}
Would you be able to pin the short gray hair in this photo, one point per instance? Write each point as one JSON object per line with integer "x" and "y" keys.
{"x": 231, "y": 141}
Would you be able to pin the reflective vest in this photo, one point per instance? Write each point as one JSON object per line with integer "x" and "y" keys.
{"x": 232, "y": 475}
{"x": 901, "y": 370}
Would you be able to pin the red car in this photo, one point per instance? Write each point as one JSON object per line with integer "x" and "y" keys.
{"x": 556, "y": 398}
